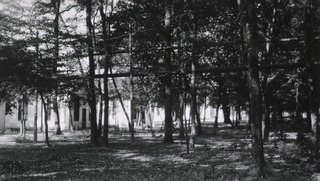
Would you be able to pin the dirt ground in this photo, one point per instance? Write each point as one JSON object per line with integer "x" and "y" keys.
{"x": 222, "y": 154}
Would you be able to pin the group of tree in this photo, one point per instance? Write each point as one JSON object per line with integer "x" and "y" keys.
{"x": 254, "y": 56}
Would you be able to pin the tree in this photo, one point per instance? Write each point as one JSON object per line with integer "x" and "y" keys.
{"x": 106, "y": 69}
{"x": 35, "y": 125}
{"x": 46, "y": 103}
{"x": 23, "y": 115}
{"x": 91, "y": 96}
{"x": 131, "y": 124}
{"x": 313, "y": 73}
{"x": 193, "y": 90}
{"x": 15, "y": 62}
{"x": 254, "y": 89}
{"x": 56, "y": 9}
{"x": 166, "y": 80}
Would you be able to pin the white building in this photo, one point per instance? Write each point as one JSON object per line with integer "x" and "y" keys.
{"x": 80, "y": 116}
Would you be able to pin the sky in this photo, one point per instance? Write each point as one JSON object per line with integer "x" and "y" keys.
{"x": 18, "y": 9}
{"x": 6, "y": 5}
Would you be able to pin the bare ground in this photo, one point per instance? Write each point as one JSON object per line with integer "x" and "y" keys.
{"x": 222, "y": 154}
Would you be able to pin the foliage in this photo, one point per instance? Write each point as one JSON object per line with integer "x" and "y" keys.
{"x": 210, "y": 33}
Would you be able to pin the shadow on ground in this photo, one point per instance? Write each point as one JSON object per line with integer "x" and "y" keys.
{"x": 222, "y": 154}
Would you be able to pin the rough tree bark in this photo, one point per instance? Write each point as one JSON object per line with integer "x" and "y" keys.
{"x": 92, "y": 95}
{"x": 269, "y": 31}
{"x": 35, "y": 123}
{"x": 216, "y": 116}
{"x": 24, "y": 115}
{"x": 193, "y": 106}
{"x": 254, "y": 89}
{"x": 46, "y": 117}
{"x": 265, "y": 110}
{"x": 131, "y": 124}
{"x": 224, "y": 99}
{"x": 297, "y": 113}
{"x": 103, "y": 3}
{"x": 180, "y": 106}
{"x": 56, "y": 6}
{"x": 71, "y": 117}
{"x": 311, "y": 54}
{"x": 166, "y": 80}
{"x": 225, "y": 105}
{"x": 199, "y": 127}
{"x": 181, "y": 109}
{"x": 100, "y": 103}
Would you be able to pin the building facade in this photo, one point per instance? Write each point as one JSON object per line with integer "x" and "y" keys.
{"x": 79, "y": 116}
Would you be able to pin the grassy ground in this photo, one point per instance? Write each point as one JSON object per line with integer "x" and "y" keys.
{"x": 222, "y": 154}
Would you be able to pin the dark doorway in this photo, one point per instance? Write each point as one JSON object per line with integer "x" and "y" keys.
{"x": 84, "y": 118}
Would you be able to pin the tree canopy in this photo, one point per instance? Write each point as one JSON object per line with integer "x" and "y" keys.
{"x": 259, "y": 57}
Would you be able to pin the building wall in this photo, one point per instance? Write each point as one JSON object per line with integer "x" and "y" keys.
{"x": 13, "y": 122}
{"x": 117, "y": 117}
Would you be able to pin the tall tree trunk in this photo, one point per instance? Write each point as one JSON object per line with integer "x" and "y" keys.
{"x": 24, "y": 128}
{"x": 266, "y": 118}
{"x": 224, "y": 100}
{"x": 100, "y": 113}
{"x": 199, "y": 127}
{"x": 100, "y": 103}
{"x": 243, "y": 36}
{"x": 35, "y": 123}
{"x": 280, "y": 123}
{"x": 181, "y": 109}
{"x": 219, "y": 100}
{"x": 187, "y": 136}
{"x": 308, "y": 110}
{"x": 46, "y": 117}
{"x": 92, "y": 95}
{"x": 205, "y": 107}
{"x": 193, "y": 110}
{"x": 56, "y": 5}
{"x": 254, "y": 90}
{"x": 226, "y": 111}
{"x": 269, "y": 30}
{"x": 238, "y": 115}
{"x": 193, "y": 99}
{"x": 148, "y": 116}
{"x": 71, "y": 117}
{"x": 265, "y": 109}
{"x": 297, "y": 117}
{"x": 24, "y": 115}
{"x": 131, "y": 125}
{"x": 41, "y": 117}
{"x": 181, "y": 102}
{"x": 103, "y": 9}
{"x": 217, "y": 116}
{"x": 311, "y": 54}
{"x": 166, "y": 80}
{"x": 56, "y": 113}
